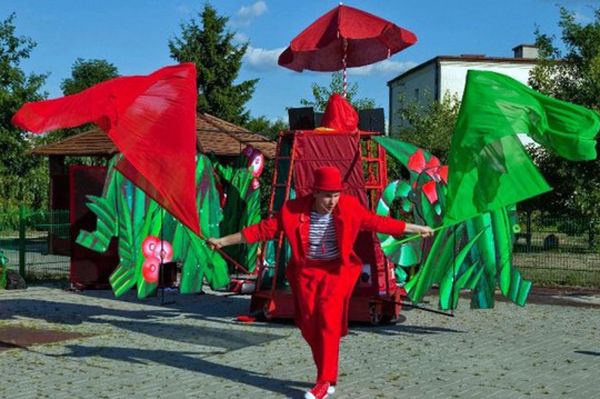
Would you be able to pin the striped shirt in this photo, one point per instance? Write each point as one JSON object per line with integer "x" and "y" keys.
{"x": 322, "y": 240}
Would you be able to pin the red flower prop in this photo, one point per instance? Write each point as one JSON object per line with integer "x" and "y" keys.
{"x": 150, "y": 269}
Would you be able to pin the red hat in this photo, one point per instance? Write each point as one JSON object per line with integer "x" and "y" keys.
{"x": 328, "y": 178}
{"x": 340, "y": 115}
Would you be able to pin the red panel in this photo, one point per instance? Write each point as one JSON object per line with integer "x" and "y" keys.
{"x": 315, "y": 149}
{"x": 89, "y": 269}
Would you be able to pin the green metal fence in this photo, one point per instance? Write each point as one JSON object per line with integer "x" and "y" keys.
{"x": 36, "y": 242}
{"x": 548, "y": 250}
{"x": 558, "y": 251}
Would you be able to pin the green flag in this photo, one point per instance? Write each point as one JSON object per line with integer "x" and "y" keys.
{"x": 488, "y": 166}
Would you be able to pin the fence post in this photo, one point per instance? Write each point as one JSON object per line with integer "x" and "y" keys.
{"x": 528, "y": 227}
{"x": 591, "y": 235}
{"x": 22, "y": 240}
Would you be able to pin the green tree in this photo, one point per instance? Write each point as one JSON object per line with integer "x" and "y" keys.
{"x": 18, "y": 170}
{"x": 87, "y": 73}
{"x": 84, "y": 74}
{"x": 208, "y": 44}
{"x": 321, "y": 94}
{"x": 572, "y": 76}
{"x": 264, "y": 126}
{"x": 428, "y": 126}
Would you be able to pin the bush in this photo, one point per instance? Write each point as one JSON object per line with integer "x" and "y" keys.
{"x": 9, "y": 216}
{"x": 572, "y": 227}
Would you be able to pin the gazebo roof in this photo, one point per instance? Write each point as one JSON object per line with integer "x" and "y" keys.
{"x": 213, "y": 135}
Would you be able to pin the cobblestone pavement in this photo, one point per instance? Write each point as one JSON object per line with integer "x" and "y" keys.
{"x": 194, "y": 348}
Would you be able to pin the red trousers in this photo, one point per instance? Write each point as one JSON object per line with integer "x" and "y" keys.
{"x": 322, "y": 291}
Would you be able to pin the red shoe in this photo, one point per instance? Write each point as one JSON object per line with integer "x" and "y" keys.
{"x": 320, "y": 391}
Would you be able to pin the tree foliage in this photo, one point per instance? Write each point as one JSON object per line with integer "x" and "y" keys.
{"x": 87, "y": 73}
{"x": 574, "y": 76}
{"x": 84, "y": 74}
{"x": 428, "y": 126}
{"x": 18, "y": 170}
{"x": 208, "y": 44}
{"x": 321, "y": 94}
{"x": 264, "y": 126}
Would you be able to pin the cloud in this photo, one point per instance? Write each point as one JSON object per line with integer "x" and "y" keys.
{"x": 246, "y": 14}
{"x": 582, "y": 18}
{"x": 386, "y": 67}
{"x": 240, "y": 38}
{"x": 260, "y": 59}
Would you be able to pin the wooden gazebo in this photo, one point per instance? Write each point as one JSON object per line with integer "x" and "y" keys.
{"x": 226, "y": 140}
{"x": 215, "y": 135}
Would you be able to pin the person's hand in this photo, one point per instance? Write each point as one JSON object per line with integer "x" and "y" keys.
{"x": 214, "y": 243}
{"x": 425, "y": 231}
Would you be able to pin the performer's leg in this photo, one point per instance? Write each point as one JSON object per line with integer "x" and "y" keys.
{"x": 351, "y": 275}
{"x": 304, "y": 284}
{"x": 332, "y": 308}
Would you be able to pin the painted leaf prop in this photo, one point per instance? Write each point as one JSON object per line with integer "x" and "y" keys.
{"x": 242, "y": 199}
{"x": 148, "y": 235}
{"x": 474, "y": 255}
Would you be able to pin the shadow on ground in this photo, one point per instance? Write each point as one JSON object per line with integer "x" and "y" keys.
{"x": 187, "y": 361}
{"x": 153, "y": 322}
{"x": 591, "y": 353}
{"x": 405, "y": 329}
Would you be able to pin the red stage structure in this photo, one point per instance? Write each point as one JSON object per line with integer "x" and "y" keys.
{"x": 376, "y": 297}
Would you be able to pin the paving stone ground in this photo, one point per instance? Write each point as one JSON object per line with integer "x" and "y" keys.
{"x": 195, "y": 348}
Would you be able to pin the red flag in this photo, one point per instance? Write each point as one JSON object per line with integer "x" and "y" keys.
{"x": 151, "y": 119}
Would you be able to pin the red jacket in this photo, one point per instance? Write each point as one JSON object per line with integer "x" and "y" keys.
{"x": 350, "y": 216}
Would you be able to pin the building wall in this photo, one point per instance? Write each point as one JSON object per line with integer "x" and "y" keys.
{"x": 420, "y": 86}
{"x": 453, "y": 74}
{"x": 424, "y": 86}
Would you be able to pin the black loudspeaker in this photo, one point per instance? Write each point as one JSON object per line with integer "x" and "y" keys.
{"x": 167, "y": 275}
{"x": 301, "y": 118}
{"x": 318, "y": 118}
{"x": 371, "y": 120}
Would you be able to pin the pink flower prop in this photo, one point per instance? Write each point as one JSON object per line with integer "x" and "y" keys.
{"x": 149, "y": 246}
{"x": 164, "y": 251}
{"x": 432, "y": 167}
{"x": 443, "y": 173}
{"x": 430, "y": 191}
{"x": 150, "y": 269}
{"x": 248, "y": 151}
{"x": 256, "y": 163}
{"x": 416, "y": 162}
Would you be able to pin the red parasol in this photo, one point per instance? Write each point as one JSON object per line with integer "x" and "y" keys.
{"x": 345, "y": 37}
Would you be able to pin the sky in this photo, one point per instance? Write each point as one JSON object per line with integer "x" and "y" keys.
{"x": 134, "y": 35}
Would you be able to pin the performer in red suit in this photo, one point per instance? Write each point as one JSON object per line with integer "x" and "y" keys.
{"x": 321, "y": 229}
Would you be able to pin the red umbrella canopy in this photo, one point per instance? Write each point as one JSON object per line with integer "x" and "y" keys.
{"x": 361, "y": 37}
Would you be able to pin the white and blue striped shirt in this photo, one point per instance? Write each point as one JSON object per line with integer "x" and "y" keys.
{"x": 322, "y": 240}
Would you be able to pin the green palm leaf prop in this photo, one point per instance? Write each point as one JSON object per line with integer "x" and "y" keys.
{"x": 126, "y": 212}
{"x": 474, "y": 255}
{"x": 242, "y": 208}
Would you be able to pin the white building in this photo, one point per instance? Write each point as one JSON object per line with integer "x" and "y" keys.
{"x": 432, "y": 79}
